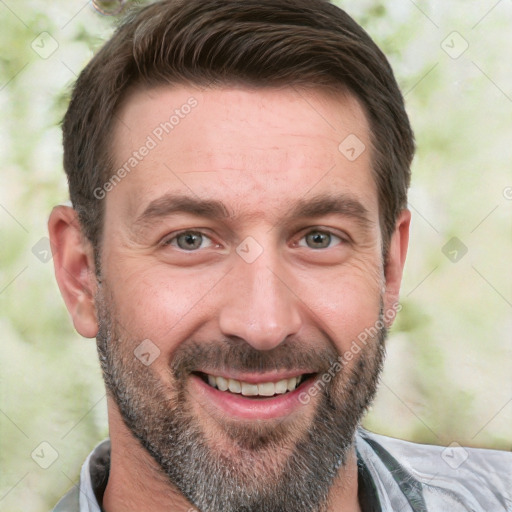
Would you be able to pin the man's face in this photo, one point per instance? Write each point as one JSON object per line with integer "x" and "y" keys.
{"x": 243, "y": 249}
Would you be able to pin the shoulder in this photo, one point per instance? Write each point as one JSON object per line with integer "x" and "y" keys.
{"x": 69, "y": 503}
{"x": 473, "y": 478}
{"x": 93, "y": 479}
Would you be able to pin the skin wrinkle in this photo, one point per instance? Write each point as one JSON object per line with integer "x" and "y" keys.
{"x": 317, "y": 206}
{"x": 209, "y": 309}
{"x": 276, "y": 93}
{"x": 175, "y": 440}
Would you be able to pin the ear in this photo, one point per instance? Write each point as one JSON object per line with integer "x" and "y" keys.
{"x": 73, "y": 259}
{"x": 393, "y": 271}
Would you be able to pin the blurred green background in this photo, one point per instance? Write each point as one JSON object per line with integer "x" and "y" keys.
{"x": 448, "y": 376}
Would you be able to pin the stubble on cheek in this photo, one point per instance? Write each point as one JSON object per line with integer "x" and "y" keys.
{"x": 208, "y": 458}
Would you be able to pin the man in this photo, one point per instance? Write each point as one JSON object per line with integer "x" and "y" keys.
{"x": 239, "y": 173}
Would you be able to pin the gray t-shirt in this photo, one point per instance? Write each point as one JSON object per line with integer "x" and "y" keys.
{"x": 394, "y": 475}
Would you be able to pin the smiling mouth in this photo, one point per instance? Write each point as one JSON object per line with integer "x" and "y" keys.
{"x": 251, "y": 390}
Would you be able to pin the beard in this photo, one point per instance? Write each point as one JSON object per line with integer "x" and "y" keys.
{"x": 248, "y": 466}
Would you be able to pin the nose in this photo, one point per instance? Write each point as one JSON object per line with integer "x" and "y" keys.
{"x": 261, "y": 307}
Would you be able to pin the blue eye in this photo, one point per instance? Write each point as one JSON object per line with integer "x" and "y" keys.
{"x": 319, "y": 239}
{"x": 189, "y": 241}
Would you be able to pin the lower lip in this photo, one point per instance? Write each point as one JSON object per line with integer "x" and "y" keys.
{"x": 239, "y": 406}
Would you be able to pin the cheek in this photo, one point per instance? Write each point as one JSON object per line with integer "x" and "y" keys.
{"x": 158, "y": 304}
{"x": 344, "y": 303}
{"x": 168, "y": 305}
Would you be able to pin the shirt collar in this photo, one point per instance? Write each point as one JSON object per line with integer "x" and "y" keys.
{"x": 94, "y": 477}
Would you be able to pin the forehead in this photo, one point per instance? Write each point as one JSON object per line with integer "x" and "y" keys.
{"x": 257, "y": 149}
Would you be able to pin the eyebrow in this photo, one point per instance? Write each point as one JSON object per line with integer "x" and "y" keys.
{"x": 345, "y": 205}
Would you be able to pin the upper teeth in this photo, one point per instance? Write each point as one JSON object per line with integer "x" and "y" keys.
{"x": 247, "y": 389}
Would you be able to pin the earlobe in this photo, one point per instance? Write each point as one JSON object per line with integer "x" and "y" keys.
{"x": 73, "y": 260}
{"x": 395, "y": 263}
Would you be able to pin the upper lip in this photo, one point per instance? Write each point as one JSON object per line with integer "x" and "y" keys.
{"x": 255, "y": 377}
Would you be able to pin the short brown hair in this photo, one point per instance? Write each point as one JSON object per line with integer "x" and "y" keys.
{"x": 257, "y": 43}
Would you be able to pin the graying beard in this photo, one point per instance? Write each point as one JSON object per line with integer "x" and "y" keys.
{"x": 211, "y": 481}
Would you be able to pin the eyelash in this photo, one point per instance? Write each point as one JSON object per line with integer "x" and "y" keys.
{"x": 168, "y": 241}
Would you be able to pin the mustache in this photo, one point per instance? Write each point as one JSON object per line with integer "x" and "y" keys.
{"x": 238, "y": 355}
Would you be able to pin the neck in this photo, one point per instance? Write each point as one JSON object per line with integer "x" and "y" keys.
{"x": 343, "y": 493}
{"x": 137, "y": 483}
